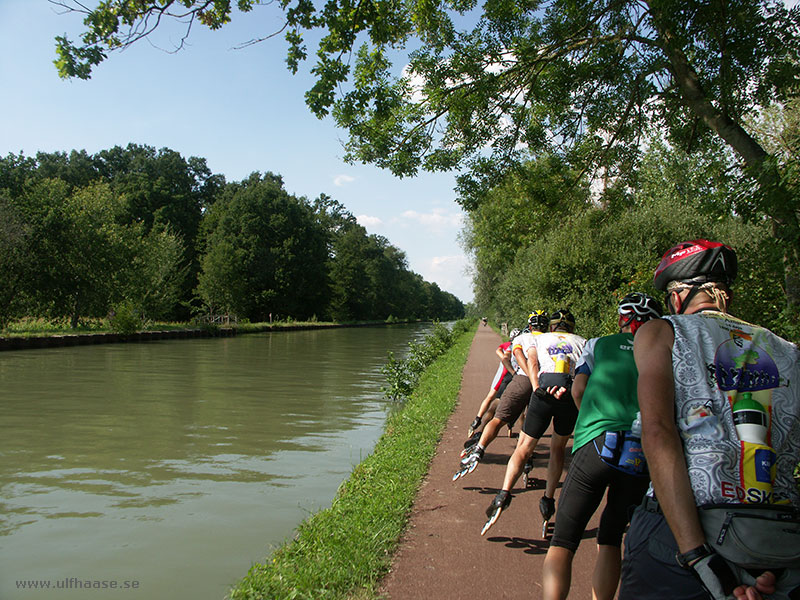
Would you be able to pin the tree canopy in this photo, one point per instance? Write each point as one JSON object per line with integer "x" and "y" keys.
{"x": 451, "y": 84}
{"x": 158, "y": 235}
{"x": 488, "y": 85}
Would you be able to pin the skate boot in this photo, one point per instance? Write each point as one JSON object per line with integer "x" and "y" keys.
{"x": 473, "y": 426}
{"x": 469, "y": 462}
{"x": 498, "y": 505}
{"x": 470, "y": 444}
{"x": 547, "y": 506}
{"x": 527, "y": 480}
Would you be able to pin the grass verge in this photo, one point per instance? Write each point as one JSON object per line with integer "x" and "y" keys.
{"x": 344, "y": 551}
{"x": 38, "y": 327}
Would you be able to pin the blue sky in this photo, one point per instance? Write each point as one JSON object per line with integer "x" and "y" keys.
{"x": 241, "y": 110}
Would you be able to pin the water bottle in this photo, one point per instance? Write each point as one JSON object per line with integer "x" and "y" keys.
{"x": 636, "y": 426}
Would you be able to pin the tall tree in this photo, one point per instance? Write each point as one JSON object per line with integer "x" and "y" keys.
{"x": 15, "y": 257}
{"x": 265, "y": 252}
{"x": 586, "y": 78}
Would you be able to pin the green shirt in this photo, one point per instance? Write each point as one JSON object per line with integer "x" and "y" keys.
{"x": 609, "y": 402}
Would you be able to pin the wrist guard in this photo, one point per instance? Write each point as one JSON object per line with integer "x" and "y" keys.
{"x": 711, "y": 570}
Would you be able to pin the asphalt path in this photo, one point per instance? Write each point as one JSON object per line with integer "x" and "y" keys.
{"x": 442, "y": 554}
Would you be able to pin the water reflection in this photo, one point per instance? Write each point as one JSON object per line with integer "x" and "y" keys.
{"x": 178, "y": 463}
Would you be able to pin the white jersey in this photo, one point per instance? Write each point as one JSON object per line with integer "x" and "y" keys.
{"x": 523, "y": 341}
{"x": 737, "y": 398}
{"x": 558, "y": 352}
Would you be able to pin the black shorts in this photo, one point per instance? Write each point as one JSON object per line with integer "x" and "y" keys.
{"x": 587, "y": 480}
{"x": 504, "y": 384}
{"x": 514, "y": 400}
{"x": 561, "y": 411}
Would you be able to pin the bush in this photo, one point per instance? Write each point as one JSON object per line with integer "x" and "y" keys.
{"x": 126, "y": 318}
{"x": 402, "y": 376}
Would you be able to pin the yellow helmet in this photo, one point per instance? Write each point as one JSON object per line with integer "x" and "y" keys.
{"x": 538, "y": 320}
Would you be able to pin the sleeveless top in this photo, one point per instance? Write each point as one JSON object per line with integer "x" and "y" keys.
{"x": 609, "y": 402}
{"x": 737, "y": 406}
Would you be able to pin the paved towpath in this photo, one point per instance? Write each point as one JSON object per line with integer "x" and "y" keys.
{"x": 442, "y": 554}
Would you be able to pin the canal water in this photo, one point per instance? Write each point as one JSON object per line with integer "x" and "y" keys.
{"x": 166, "y": 469}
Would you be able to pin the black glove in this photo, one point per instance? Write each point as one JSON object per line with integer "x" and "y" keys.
{"x": 711, "y": 570}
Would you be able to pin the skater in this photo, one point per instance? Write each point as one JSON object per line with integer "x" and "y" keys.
{"x": 720, "y": 411}
{"x": 515, "y": 397}
{"x": 505, "y": 372}
{"x": 604, "y": 391}
{"x": 551, "y": 366}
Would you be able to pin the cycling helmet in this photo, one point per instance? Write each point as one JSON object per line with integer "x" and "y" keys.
{"x": 637, "y": 308}
{"x": 696, "y": 262}
{"x": 514, "y": 333}
{"x": 562, "y": 318}
{"x": 538, "y": 320}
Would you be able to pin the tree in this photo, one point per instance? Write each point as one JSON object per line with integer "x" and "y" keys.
{"x": 582, "y": 78}
{"x": 264, "y": 252}
{"x": 15, "y": 258}
{"x": 153, "y": 281}
{"x": 165, "y": 193}
{"x": 353, "y": 291}
{"x": 590, "y": 260}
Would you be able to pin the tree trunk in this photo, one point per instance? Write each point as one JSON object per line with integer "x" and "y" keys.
{"x": 778, "y": 205}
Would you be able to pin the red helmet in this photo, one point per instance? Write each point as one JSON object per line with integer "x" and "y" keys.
{"x": 696, "y": 261}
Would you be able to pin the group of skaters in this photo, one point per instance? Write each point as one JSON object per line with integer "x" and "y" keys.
{"x": 688, "y": 423}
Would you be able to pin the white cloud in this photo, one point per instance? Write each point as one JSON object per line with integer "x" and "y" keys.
{"x": 436, "y": 221}
{"x": 342, "y": 180}
{"x": 450, "y": 273}
{"x": 369, "y": 222}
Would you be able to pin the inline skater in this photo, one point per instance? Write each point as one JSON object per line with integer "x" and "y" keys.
{"x": 550, "y": 364}
{"x": 502, "y": 378}
{"x": 605, "y": 455}
{"x": 514, "y": 399}
{"x": 720, "y": 406}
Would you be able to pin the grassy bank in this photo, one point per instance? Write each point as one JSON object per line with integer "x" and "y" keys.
{"x": 38, "y": 327}
{"x": 343, "y": 551}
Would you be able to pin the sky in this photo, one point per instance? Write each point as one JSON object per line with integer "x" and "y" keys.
{"x": 241, "y": 110}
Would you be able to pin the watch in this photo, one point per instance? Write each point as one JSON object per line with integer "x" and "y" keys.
{"x": 687, "y": 558}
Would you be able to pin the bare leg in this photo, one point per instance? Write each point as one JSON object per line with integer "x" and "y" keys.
{"x": 557, "y": 573}
{"x": 486, "y": 402}
{"x": 606, "y": 572}
{"x": 490, "y": 432}
{"x": 489, "y": 414}
{"x": 524, "y": 450}
{"x": 555, "y": 465}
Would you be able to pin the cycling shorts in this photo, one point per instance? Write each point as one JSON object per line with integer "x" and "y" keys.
{"x": 541, "y": 411}
{"x": 587, "y": 479}
{"x": 514, "y": 400}
{"x": 504, "y": 384}
{"x": 498, "y": 377}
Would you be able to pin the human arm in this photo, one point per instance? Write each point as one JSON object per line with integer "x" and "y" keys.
{"x": 521, "y": 360}
{"x": 533, "y": 366}
{"x": 505, "y": 359}
{"x": 661, "y": 441}
{"x": 578, "y": 387}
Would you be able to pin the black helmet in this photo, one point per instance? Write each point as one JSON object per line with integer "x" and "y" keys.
{"x": 696, "y": 262}
{"x": 638, "y": 307}
{"x": 538, "y": 320}
{"x": 562, "y": 316}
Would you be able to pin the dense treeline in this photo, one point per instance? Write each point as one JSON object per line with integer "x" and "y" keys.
{"x": 546, "y": 239}
{"x": 152, "y": 232}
